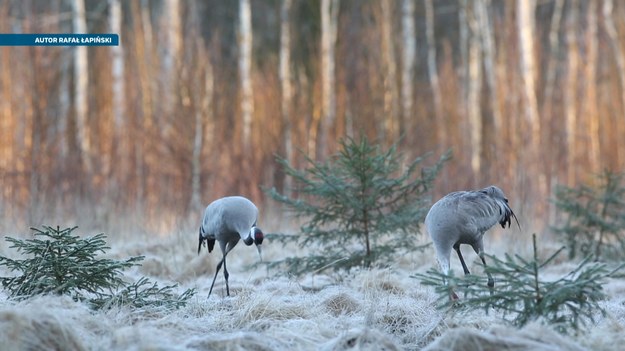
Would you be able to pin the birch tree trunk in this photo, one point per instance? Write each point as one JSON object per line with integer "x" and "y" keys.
{"x": 526, "y": 24}
{"x": 463, "y": 71}
{"x": 441, "y": 124}
{"x": 619, "y": 57}
{"x": 490, "y": 62}
{"x": 554, "y": 48}
{"x": 474, "y": 109}
{"x": 570, "y": 93}
{"x": 144, "y": 55}
{"x": 409, "y": 49}
{"x": 7, "y": 121}
{"x": 81, "y": 87}
{"x": 204, "y": 127}
{"x": 171, "y": 56}
{"x": 120, "y": 145}
{"x": 329, "y": 19}
{"x": 391, "y": 95}
{"x": 245, "y": 71}
{"x": 592, "y": 105}
{"x": 286, "y": 90}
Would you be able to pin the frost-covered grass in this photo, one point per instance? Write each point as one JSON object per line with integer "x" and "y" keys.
{"x": 377, "y": 309}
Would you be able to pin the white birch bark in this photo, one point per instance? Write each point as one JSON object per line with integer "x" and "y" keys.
{"x": 441, "y": 128}
{"x": 120, "y": 147}
{"x": 329, "y": 19}
{"x": 245, "y": 71}
{"x": 592, "y": 108}
{"x": 474, "y": 109}
{"x": 554, "y": 45}
{"x": 285, "y": 83}
{"x": 391, "y": 94}
{"x": 204, "y": 129}
{"x": 171, "y": 54}
{"x": 285, "y": 74}
{"x": 619, "y": 57}
{"x": 526, "y": 25}
{"x": 490, "y": 62}
{"x": 463, "y": 71}
{"x": 409, "y": 50}
{"x": 570, "y": 92}
{"x": 81, "y": 85}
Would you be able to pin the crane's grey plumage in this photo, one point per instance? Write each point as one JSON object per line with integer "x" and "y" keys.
{"x": 227, "y": 220}
{"x": 463, "y": 217}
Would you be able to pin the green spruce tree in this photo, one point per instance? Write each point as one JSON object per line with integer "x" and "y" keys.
{"x": 522, "y": 295}
{"x": 58, "y": 262}
{"x": 362, "y": 207}
{"x": 594, "y": 222}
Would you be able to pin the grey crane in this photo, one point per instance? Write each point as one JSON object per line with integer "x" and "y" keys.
{"x": 227, "y": 220}
{"x": 463, "y": 217}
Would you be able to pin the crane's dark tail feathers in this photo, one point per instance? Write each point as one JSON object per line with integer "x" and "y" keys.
{"x": 199, "y": 246}
{"x": 210, "y": 241}
{"x": 507, "y": 218}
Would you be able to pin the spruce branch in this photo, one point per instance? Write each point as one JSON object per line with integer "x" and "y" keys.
{"x": 594, "y": 217}
{"x": 58, "y": 262}
{"x": 361, "y": 207}
{"x": 523, "y": 295}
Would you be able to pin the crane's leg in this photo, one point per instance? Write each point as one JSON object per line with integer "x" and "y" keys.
{"x": 215, "y": 277}
{"x": 491, "y": 282}
{"x": 442, "y": 254}
{"x": 479, "y": 250}
{"x": 226, "y": 275}
{"x": 464, "y": 265}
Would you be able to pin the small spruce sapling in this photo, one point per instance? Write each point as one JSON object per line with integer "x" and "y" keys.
{"x": 57, "y": 262}
{"x": 362, "y": 207}
{"x": 522, "y": 295}
{"x": 594, "y": 222}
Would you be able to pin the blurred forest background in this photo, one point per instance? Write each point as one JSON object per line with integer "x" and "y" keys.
{"x": 201, "y": 95}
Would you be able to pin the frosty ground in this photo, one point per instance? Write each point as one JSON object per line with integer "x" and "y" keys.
{"x": 367, "y": 309}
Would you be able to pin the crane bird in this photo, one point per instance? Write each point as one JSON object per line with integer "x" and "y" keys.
{"x": 227, "y": 220}
{"x": 462, "y": 217}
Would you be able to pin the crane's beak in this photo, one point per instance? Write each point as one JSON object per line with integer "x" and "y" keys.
{"x": 260, "y": 252}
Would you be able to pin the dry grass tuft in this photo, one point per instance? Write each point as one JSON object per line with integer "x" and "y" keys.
{"x": 533, "y": 337}
{"x": 32, "y": 328}
{"x": 341, "y": 302}
{"x": 364, "y": 339}
{"x": 242, "y": 341}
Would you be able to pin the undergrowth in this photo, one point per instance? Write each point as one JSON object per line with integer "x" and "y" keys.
{"x": 522, "y": 295}
{"x": 58, "y": 262}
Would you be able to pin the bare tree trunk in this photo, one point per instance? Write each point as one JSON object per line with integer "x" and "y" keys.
{"x": 474, "y": 109}
{"x": 286, "y": 89}
{"x": 245, "y": 70}
{"x": 409, "y": 49}
{"x": 7, "y": 121}
{"x": 329, "y": 19}
{"x": 553, "y": 57}
{"x": 490, "y": 62}
{"x": 120, "y": 146}
{"x": 592, "y": 108}
{"x": 203, "y": 127}
{"x": 171, "y": 55}
{"x": 463, "y": 71}
{"x": 526, "y": 25}
{"x": 615, "y": 43}
{"x": 391, "y": 93}
{"x": 81, "y": 87}
{"x": 441, "y": 129}
{"x": 570, "y": 93}
{"x": 144, "y": 55}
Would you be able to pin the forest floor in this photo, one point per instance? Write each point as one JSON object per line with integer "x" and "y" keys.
{"x": 373, "y": 309}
